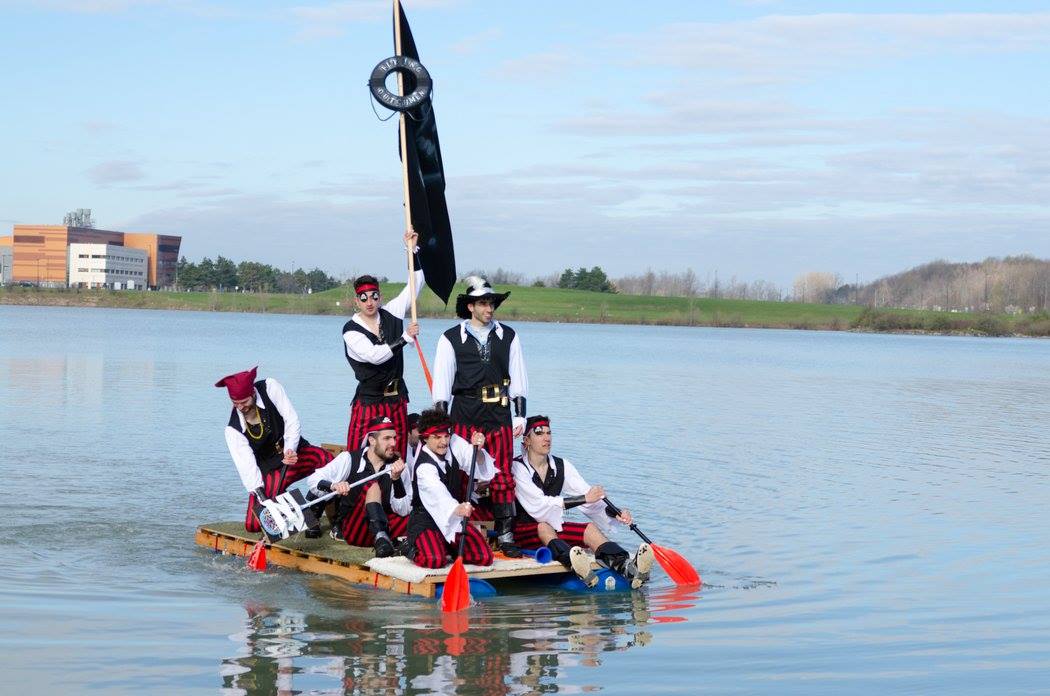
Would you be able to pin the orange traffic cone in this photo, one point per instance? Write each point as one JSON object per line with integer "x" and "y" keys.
{"x": 257, "y": 559}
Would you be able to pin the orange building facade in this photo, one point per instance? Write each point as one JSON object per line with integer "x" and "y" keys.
{"x": 41, "y": 252}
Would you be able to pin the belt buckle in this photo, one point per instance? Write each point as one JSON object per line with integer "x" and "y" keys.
{"x": 391, "y": 388}
{"x": 490, "y": 394}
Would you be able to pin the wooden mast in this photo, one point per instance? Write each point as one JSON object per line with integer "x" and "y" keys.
{"x": 403, "y": 127}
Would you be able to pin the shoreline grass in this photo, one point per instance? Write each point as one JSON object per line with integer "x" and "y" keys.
{"x": 570, "y": 306}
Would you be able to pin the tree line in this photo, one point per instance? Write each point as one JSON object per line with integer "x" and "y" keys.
{"x": 251, "y": 276}
{"x": 1013, "y": 284}
{"x": 1017, "y": 284}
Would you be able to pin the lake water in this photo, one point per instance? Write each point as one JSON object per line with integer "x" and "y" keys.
{"x": 868, "y": 512}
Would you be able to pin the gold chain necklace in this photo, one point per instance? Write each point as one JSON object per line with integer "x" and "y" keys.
{"x": 248, "y": 426}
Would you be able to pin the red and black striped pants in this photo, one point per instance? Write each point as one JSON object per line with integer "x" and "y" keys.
{"x": 499, "y": 443}
{"x": 355, "y": 524}
{"x": 360, "y": 414}
{"x": 526, "y": 534}
{"x": 310, "y": 460}
{"x": 431, "y": 548}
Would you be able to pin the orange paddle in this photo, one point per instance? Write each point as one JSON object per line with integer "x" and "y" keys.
{"x": 677, "y": 568}
{"x": 257, "y": 559}
{"x": 456, "y": 594}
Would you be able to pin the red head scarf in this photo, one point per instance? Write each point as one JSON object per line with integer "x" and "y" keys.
{"x": 240, "y": 385}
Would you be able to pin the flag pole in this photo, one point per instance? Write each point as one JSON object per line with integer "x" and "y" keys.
{"x": 403, "y": 133}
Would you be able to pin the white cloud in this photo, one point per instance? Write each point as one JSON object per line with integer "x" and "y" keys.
{"x": 784, "y": 47}
{"x": 192, "y": 7}
{"x": 538, "y": 67}
{"x": 475, "y": 42}
{"x": 116, "y": 172}
{"x": 330, "y": 19}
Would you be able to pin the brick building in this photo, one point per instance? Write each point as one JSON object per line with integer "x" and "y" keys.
{"x": 41, "y": 253}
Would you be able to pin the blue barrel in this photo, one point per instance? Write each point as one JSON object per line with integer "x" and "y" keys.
{"x": 608, "y": 581}
{"x": 479, "y": 589}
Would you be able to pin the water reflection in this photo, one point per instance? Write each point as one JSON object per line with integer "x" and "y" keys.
{"x": 509, "y": 647}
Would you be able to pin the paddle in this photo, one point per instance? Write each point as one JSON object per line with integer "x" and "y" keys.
{"x": 257, "y": 558}
{"x": 676, "y": 567}
{"x": 291, "y": 508}
{"x": 456, "y": 594}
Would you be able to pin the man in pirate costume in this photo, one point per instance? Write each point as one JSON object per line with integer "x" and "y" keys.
{"x": 375, "y": 513}
{"x": 480, "y": 368}
{"x": 442, "y": 468}
{"x": 265, "y": 441}
{"x": 546, "y": 486}
{"x": 373, "y": 340}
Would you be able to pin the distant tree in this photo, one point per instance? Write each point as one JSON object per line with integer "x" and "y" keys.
{"x": 225, "y": 273}
{"x": 256, "y": 277}
{"x": 187, "y": 276}
{"x": 319, "y": 281}
{"x": 206, "y": 275}
{"x": 594, "y": 280}
{"x": 815, "y": 286}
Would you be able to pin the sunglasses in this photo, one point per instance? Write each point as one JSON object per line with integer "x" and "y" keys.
{"x": 363, "y": 296}
{"x": 542, "y": 430}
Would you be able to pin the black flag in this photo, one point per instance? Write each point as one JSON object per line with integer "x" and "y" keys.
{"x": 426, "y": 179}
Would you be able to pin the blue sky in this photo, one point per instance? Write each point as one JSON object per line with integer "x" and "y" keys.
{"x": 755, "y": 138}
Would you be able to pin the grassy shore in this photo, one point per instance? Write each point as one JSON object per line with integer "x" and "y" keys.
{"x": 556, "y": 305}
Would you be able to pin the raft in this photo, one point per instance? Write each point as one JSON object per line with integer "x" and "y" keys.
{"x": 357, "y": 565}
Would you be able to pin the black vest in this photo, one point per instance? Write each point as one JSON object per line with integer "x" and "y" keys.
{"x": 452, "y": 480}
{"x": 551, "y": 484}
{"x": 361, "y": 468}
{"x": 268, "y": 447}
{"x": 478, "y": 367}
{"x": 372, "y": 380}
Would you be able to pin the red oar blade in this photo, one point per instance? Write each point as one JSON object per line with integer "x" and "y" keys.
{"x": 676, "y": 567}
{"x": 426, "y": 370}
{"x": 257, "y": 559}
{"x": 456, "y": 594}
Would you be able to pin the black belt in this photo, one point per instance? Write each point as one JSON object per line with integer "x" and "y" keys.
{"x": 373, "y": 390}
{"x": 489, "y": 394}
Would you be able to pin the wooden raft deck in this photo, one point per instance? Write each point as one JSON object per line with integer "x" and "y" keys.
{"x": 328, "y": 556}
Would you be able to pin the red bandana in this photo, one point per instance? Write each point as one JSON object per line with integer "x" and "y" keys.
{"x": 436, "y": 429}
{"x": 240, "y": 385}
{"x": 365, "y": 287}
{"x": 385, "y": 424}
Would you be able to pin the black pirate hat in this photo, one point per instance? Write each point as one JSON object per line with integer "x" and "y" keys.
{"x": 477, "y": 289}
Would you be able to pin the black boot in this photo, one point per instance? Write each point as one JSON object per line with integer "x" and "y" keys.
{"x": 342, "y": 509}
{"x": 634, "y": 570}
{"x": 559, "y": 551}
{"x": 312, "y": 517}
{"x": 504, "y": 514}
{"x": 377, "y": 525}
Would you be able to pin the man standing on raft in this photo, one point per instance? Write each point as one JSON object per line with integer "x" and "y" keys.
{"x": 265, "y": 441}
{"x": 480, "y": 368}
{"x": 372, "y": 341}
{"x": 546, "y": 486}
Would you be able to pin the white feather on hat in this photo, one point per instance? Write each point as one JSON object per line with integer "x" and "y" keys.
{"x": 477, "y": 288}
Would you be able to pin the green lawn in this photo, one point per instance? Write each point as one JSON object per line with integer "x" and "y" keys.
{"x": 553, "y": 304}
